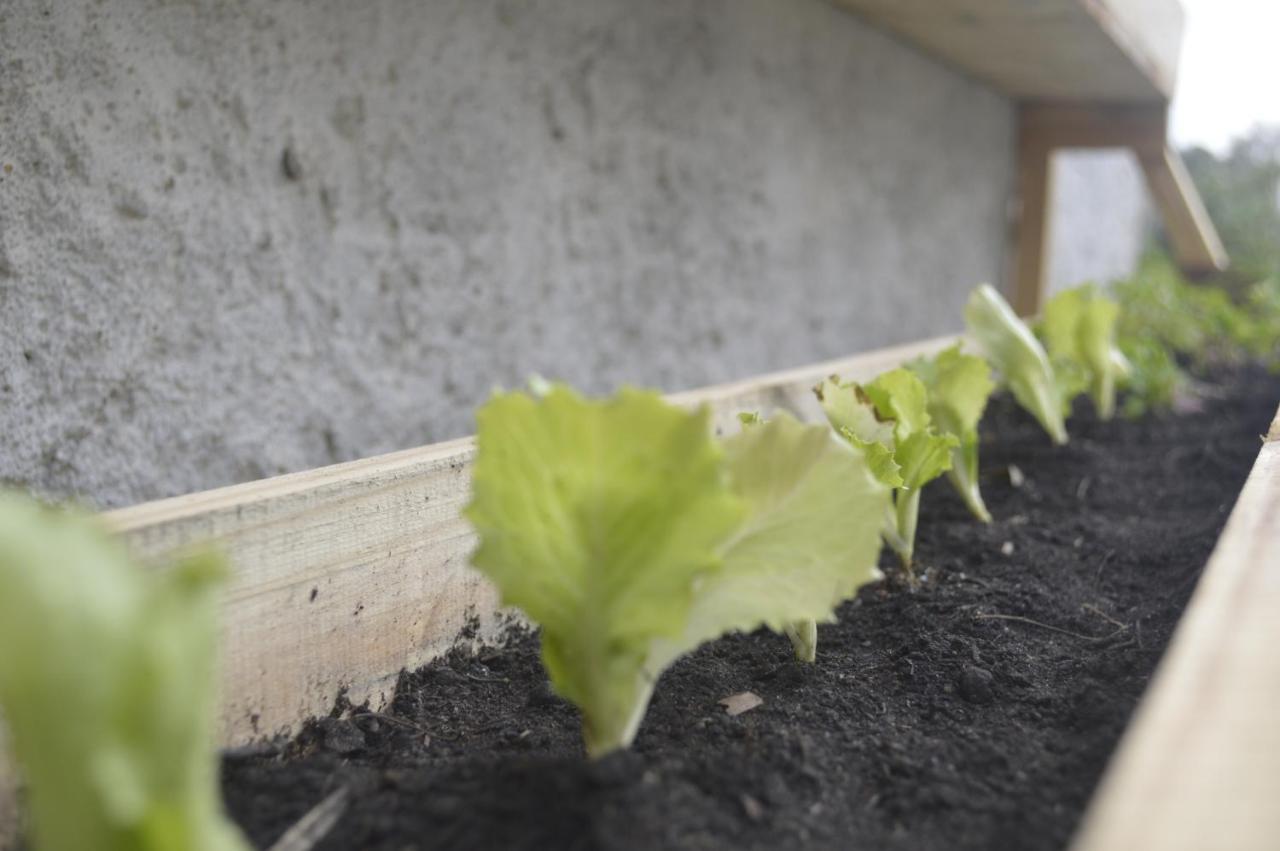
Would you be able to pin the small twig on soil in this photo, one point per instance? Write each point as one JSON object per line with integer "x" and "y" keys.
{"x": 315, "y": 825}
{"x": 1082, "y": 489}
{"x": 1090, "y": 607}
{"x": 1030, "y": 622}
{"x": 476, "y": 679}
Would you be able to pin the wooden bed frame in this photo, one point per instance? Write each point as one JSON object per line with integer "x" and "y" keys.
{"x": 345, "y": 575}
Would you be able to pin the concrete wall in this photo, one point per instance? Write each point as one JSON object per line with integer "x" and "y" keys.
{"x": 242, "y": 238}
{"x": 1100, "y": 218}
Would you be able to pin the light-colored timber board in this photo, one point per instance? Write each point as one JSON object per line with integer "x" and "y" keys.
{"x": 1199, "y": 768}
{"x": 1047, "y": 127}
{"x": 345, "y": 575}
{"x": 1088, "y": 50}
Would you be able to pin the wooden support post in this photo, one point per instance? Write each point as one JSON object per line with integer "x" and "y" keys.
{"x": 1031, "y": 230}
{"x": 1196, "y": 246}
{"x": 1046, "y": 127}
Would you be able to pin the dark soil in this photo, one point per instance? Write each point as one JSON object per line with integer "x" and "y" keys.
{"x": 976, "y": 712}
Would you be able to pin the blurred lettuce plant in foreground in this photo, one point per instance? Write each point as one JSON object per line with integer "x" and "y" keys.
{"x": 107, "y": 679}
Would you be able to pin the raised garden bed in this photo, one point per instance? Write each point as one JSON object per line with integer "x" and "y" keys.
{"x": 978, "y": 712}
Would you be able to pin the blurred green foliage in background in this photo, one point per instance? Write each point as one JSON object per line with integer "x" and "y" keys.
{"x": 1241, "y": 190}
{"x": 1170, "y": 328}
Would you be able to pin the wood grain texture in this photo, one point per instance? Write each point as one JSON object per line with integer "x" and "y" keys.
{"x": 340, "y": 573}
{"x": 1199, "y": 768}
{"x": 1092, "y": 50}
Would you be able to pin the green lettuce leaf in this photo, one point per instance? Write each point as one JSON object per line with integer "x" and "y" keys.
{"x": 1079, "y": 329}
{"x": 888, "y": 420}
{"x": 810, "y": 537}
{"x": 958, "y": 388}
{"x": 631, "y": 536}
{"x": 1017, "y": 355}
{"x": 107, "y": 677}
{"x": 597, "y": 519}
{"x": 852, "y": 413}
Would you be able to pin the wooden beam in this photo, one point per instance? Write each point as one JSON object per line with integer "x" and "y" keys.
{"x": 1046, "y": 127}
{"x": 1196, "y": 245}
{"x": 1031, "y": 223}
{"x": 1072, "y": 124}
{"x": 1088, "y": 50}
{"x": 1148, "y": 32}
{"x": 1142, "y": 128}
{"x": 1199, "y": 767}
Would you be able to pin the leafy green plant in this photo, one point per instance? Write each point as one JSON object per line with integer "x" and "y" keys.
{"x": 107, "y": 679}
{"x": 1079, "y": 330}
{"x": 1154, "y": 378}
{"x": 1016, "y": 354}
{"x": 848, "y": 518}
{"x": 888, "y": 420}
{"x": 1168, "y": 325}
{"x": 958, "y": 386}
{"x": 630, "y": 535}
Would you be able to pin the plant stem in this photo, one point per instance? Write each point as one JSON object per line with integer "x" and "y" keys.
{"x": 1104, "y": 395}
{"x": 967, "y": 486}
{"x": 889, "y": 530}
{"x": 906, "y": 505}
{"x": 611, "y": 724}
{"x": 804, "y": 639}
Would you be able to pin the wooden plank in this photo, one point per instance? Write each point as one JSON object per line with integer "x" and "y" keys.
{"x": 1092, "y": 50}
{"x": 1196, "y": 245}
{"x": 1073, "y": 124}
{"x": 343, "y": 575}
{"x": 1149, "y": 32}
{"x": 1031, "y": 224}
{"x": 792, "y": 390}
{"x": 1045, "y": 127}
{"x": 347, "y": 574}
{"x": 1199, "y": 767}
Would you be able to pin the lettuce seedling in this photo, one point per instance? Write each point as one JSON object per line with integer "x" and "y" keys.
{"x": 630, "y": 535}
{"x": 958, "y": 387}
{"x": 810, "y": 540}
{"x": 1018, "y": 357}
{"x": 889, "y": 421}
{"x": 107, "y": 676}
{"x": 1079, "y": 330}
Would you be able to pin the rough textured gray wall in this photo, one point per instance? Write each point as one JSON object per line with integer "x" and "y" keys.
{"x": 1101, "y": 217}
{"x": 240, "y": 238}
